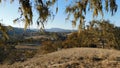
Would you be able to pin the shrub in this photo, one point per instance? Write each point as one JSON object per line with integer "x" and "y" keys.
{"x": 30, "y": 53}
{"x": 2, "y": 53}
{"x": 9, "y": 54}
{"x": 50, "y": 46}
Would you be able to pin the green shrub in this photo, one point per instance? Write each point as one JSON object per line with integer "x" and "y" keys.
{"x": 2, "y": 53}
{"x": 29, "y": 54}
{"x": 50, "y": 46}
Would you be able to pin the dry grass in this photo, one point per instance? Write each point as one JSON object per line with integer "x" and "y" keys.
{"x": 73, "y": 58}
{"x": 38, "y": 37}
{"x": 26, "y": 47}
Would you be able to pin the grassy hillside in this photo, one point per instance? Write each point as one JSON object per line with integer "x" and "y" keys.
{"x": 73, "y": 58}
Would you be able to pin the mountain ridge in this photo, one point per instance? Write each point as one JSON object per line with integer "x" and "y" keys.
{"x": 59, "y": 30}
{"x": 17, "y": 30}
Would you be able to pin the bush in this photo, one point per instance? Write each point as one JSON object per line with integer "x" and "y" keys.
{"x": 50, "y": 46}
{"x": 9, "y": 54}
{"x": 29, "y": 54}
{"x": 2, "y": 53}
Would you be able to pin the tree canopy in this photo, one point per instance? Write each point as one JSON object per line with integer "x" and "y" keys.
{"x": 77, "y": 9}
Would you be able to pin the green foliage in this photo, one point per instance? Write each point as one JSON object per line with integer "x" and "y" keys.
{"x": 26, "y": 8}
{"x": 4, "y": 51}
{"x": 2, "y": 54}
{"x": 17, "y": 55}
{"x": 117, "y": 37}
{"x": 50, "y": 46}
{"x": 4, "y": 29}
{"x": 72, "y": 41}
{"x": 9, "y": 54}
{"x": 78, "y": 10}
{"x": 30, "y": 54}
{"x": 97, "y": 34}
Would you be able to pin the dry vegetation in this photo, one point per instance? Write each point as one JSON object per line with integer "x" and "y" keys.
{"x": 68, "y": 51}
{"x": 73, "y": 58}
{"x": 64, "y": 52}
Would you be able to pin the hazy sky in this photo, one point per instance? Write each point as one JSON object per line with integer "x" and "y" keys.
{"x": 9, "y": 12}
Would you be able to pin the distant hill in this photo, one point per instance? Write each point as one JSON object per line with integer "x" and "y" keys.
{"x": 59, "y": 30}
{"x": 19, "y": 31}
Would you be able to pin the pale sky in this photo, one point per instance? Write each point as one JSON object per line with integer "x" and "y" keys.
{"x": 9, "y": 12}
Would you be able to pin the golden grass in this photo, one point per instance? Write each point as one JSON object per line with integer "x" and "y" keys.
{"x": 73, "y": 58}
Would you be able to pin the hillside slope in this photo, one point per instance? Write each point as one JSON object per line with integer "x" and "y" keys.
{"x": 73, "y": 58}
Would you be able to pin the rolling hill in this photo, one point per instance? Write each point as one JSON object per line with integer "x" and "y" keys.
{"x": 59, "y": 30}
{"x": 73, "y": 58}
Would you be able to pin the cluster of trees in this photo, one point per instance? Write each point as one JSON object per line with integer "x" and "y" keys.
{"x": 98, "y": 34}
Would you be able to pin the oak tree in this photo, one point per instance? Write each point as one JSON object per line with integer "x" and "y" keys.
{"x": 77, "y": 9}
